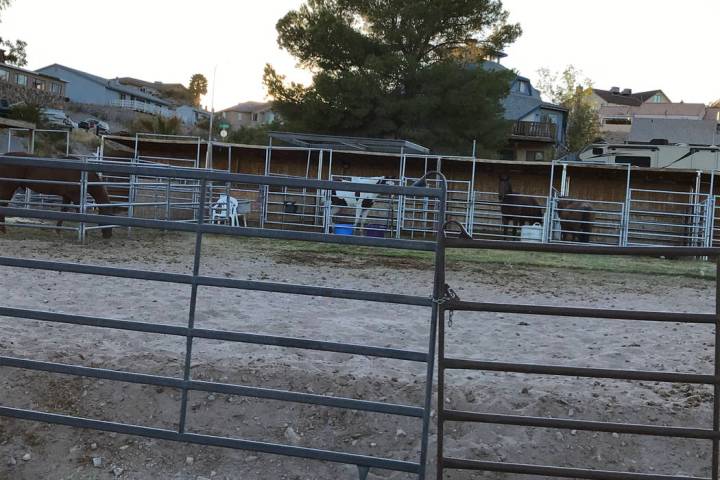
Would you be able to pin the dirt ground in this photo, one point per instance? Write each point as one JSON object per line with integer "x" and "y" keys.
{"x": 31, "y": 450}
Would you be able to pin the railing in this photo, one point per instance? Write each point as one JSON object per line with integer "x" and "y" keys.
{"x": 143, "y": 107}
{"x": 544, "y": 130}
{"x": 186, "y": 384}
{"x": 449, "y": 366}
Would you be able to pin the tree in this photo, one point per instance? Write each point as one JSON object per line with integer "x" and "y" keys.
{"x": 198, "y": 87}
{"x": 569, "y": 91}
{"x": 390, "y": 68}
{"x": 15, "y": 53}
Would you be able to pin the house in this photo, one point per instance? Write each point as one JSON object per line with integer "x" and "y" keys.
{"x": 83, "y": 87}
{"x": 191, "y": 115}
{"x": 154, "y": 98}
{"x": 538, "y": 127}
{"x": 626, "y": 97}
{"x": 21, "y": 85}
{"x": 248, "y": 114}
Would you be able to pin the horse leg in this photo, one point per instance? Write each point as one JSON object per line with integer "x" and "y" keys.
{"x": 358, "y": 215}
{"x": 60, "y": 222}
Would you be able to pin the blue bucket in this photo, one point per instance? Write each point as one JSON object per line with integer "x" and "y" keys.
{"x": 343, "y": 229}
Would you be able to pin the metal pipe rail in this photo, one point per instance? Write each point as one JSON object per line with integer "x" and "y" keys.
{"x": 453, "y": 304}
{"x": 185, "y": 383}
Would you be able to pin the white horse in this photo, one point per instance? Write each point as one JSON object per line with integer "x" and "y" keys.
{"x": 362, "y": 202}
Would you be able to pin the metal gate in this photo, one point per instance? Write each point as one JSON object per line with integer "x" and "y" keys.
{"x": 190, "y": 332}
{"x": 448, "y": 362}
{"x": 659, "y": 217}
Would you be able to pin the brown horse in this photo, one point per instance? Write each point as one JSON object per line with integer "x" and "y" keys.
{"x": 516, "y": 208}
{"x": 576, "y": 219}
{"x": 33, "y": 177}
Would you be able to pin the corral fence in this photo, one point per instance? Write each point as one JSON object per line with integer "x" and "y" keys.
{"x": 191, "y": 332}
{"x": 450, "y": 419}
{"x": 442, "y": 302}
{"x": 637, "y": 216}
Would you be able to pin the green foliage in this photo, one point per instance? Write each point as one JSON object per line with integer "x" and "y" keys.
{"x": 26, "y": 112}
{"x": 159, "y": 125}
{"x": 198, "y": 87}
{"x": 252, "y": 135}
{"x": 568, "y": 90}
{"x": 15, "y": 52}
{"x": 390, "y": 68}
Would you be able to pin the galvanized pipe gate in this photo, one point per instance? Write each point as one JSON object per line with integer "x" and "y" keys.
{"x": 447, "y": 362}
{"x": 187, "y": 384}
{"x": 440, "y": 302}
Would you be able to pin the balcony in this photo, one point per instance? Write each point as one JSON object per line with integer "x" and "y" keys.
{"x": 537, "y": 131}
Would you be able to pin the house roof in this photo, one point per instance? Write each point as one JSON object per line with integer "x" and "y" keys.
{"x": 111, "y": 84}
{"x": 672, "y": 109}
{"x": 19, "y": 69}
{"x": 517, "y": 105}
{"x": 691, "y": 132}
{"x": 249, "y": 107}
{"x": 361, "y": 144}
{"x": 634, "y": 99}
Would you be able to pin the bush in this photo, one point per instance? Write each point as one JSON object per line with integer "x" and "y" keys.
{"x": 158, "y": 125}
{"x": 26, "y": 112}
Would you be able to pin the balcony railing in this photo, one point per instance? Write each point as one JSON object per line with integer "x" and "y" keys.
{"x": 143, "y": 107}
{"x": 535, "y": 130}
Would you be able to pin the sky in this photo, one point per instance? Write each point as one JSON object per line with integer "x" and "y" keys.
{"x": 638, "y": 44}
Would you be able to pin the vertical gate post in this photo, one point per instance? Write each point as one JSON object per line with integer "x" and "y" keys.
{"x": 716, "y": 386}
{"x": 83, "y": 203}
{"x": 193, "y": 304}
{"x": 625, "y": 227}
{"x": 437, "y": 318}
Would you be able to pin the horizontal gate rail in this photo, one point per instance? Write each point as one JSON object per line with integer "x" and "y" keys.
{"x": 568, "y": 424}
{"x": 559, "y": 472}
{"x": 213, "y": 441}
{"x": 208, "y": 334}
{"x": 615, "y": 374}
{"x": 454, "y": 304}
{"x": 202, "y": 192}
{"x": 188, "y": 279}
{"x": 610, "y": 314}
{"x": 420, "y": 245}
{"x": 650, "y": 251}
{"x": 212, "y": 387}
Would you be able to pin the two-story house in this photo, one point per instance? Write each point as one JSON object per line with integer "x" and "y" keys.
{"x": 21, "y": 85}
{"x": 538, "y": 127}
{"x": 248, "y": 114}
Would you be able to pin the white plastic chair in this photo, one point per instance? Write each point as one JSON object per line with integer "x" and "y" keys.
{"x": 225, "y": 209}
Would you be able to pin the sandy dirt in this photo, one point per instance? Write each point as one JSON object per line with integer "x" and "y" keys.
{"x": 31, "y": 450}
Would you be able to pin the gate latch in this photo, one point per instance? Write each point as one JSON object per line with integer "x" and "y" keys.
{"x": 448, "y": 295}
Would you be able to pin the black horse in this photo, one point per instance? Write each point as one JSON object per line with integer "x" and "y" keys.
{"x": 517, "y": 209}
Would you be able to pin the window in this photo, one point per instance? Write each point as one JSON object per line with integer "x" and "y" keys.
{"x": 534, "y": 156}
{"x": 22, "y": 80}
{"x": 4, "y": 74}
{"x": 618, "y": 121}
{"x": 657, "y": 99}
{"x": 523, "y": 87}
{"x": 56, "y": 88}
{"x": 635, "y": 161}
{"x": 39, "y": 84}
{"x": 255, "y": 117}
{"x": 239, "y": 117}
